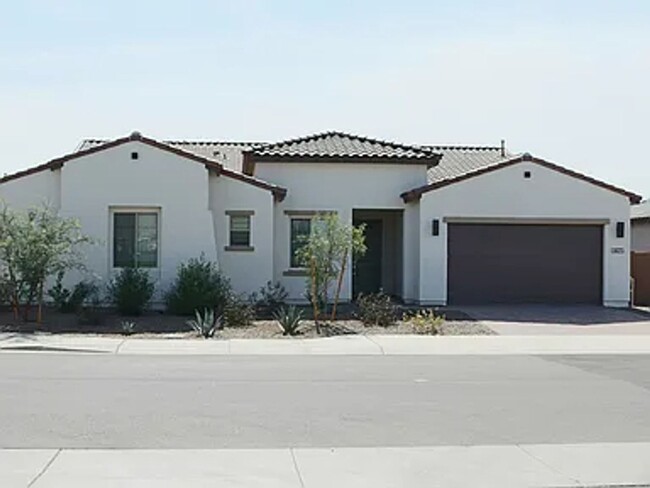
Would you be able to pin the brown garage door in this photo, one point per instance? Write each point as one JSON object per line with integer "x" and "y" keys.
{"x": 500, "y": 263}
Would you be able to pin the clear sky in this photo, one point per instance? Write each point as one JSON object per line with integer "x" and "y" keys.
{"x": 566, "y": 80}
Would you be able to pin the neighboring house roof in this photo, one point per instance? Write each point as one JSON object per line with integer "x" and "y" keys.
{"x": 641, "y": 211}
{"x": 417, "y": 193}
{"x": 93, "y": 146}
{"x": 339, "y": 147}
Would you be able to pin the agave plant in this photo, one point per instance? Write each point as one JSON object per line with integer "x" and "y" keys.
{"x": 205, "y": 324}
{"x": 288, "y": 318}
{"x": 128, "y": 327}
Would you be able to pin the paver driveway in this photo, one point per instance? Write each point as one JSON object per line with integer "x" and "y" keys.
{"x": 560, "y": 319}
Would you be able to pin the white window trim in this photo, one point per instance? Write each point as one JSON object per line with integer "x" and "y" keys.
{"x": 111, "y": 232}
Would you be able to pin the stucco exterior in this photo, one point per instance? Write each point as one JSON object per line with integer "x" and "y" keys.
{"x": 193, "y": 198}
{"x": 248, "y": 270}
{"x": 35, "y": 189}
{"x": 190, "y": 200}
{"x": 506, "y": 194}
{"x": 339, "y": 188}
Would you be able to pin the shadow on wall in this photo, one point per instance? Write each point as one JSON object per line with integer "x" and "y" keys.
{"x": 556, "y": 314}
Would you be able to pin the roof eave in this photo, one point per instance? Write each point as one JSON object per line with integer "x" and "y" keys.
{"x": 416, "y": 193}
{"x": 252, "y": 158}
{"x": 278, "y": 192}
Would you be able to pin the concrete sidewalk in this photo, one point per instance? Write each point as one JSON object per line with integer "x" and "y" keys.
{"x": 447, "y": 466}
{"x": 341, "y": 345}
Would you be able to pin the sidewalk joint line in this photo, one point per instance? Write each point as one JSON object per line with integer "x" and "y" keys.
{"x": 381, "y": 349}
{"x": 577, "y": 482}
{"x": 119, "y": 346}
{"x": 295, "y": 466}
{"x": 45, "y": 468}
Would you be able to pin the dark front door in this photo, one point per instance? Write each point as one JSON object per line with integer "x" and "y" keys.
{"x": 524, "y": 263}
{"x": 367, "y": 271}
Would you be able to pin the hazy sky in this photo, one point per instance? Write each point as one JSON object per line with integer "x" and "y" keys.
{"x": 566, "y": 80}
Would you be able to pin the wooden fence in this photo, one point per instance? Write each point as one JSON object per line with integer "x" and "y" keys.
{"x": 641, "y": 276}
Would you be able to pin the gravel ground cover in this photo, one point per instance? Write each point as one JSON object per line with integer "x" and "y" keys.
{"x": 160, "y": 325}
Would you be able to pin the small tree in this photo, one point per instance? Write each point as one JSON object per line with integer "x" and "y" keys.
{"x": 325, "y": 255}
{"x": 35, "y": 245}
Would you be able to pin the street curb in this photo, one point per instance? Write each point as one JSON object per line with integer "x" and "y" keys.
{"x": 376, "y": 345}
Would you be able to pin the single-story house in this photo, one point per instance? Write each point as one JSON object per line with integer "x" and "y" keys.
{"x": 444, "y": 224}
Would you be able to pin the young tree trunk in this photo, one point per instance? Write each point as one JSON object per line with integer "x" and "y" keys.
{"x": 314, "y": 295}
{"x": 39, "y": 314}
{"x": 28, "y": 302}
{"x": 339, "y": 284}
{"x": 15, "y": 305}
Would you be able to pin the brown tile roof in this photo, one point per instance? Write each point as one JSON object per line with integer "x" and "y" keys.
{"x": 342, "y": 147}
{"x": 458, "y": 160}
{"x": 91, "y": 146}
{"x": 417, "y": 193}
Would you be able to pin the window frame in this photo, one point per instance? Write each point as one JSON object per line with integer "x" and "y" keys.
{"x": 292, "y": 249}
{"x": 233, "y": 214}
{"x": 300, "y": 215}
{"x": 136, "y": 211}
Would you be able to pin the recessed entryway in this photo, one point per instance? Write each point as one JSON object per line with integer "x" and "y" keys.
{"x": 380, "y": 269}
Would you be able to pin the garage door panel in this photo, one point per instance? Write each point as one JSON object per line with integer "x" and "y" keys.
{"x": 490, "y": 263}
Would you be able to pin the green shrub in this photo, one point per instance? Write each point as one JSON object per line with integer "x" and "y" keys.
{"x": 198, "y": 285}
{"x": 67, "y": 301}
{"x": 288, "y": 318}
{"x": 425, "y": 322}
{"x": 205, "y": 324}
{"x": 376, "y": 309}
{"x": 131, "y": 290}
{"x": 238, "y": 311}
{"x": 270, "y": 298}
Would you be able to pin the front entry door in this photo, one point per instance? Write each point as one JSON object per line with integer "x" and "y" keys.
{"x": 367, "y": 271}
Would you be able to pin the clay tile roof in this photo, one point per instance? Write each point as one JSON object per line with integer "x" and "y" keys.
{"x": 341, "y": 146}
{"x": 458, "y": 160}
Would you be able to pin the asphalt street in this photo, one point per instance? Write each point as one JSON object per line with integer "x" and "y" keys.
{"x": 208, "y": 402}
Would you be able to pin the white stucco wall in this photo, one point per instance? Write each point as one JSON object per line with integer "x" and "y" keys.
{"x": 339, "y": 187}
{"x": 42, "y": 188}
{"x": 191, "y": 203}
{"x": 412, "y": 231}
{"x": 248, "y": 270}
{"x": 505, "y": 193}
{"x": 641, "y": 235}
{"x": 158, "y": 180}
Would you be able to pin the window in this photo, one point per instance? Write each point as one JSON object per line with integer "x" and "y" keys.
{"x": 135, "y": 239}
{"x": 300, "y": 230}
{"x": 240, "y": 230}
